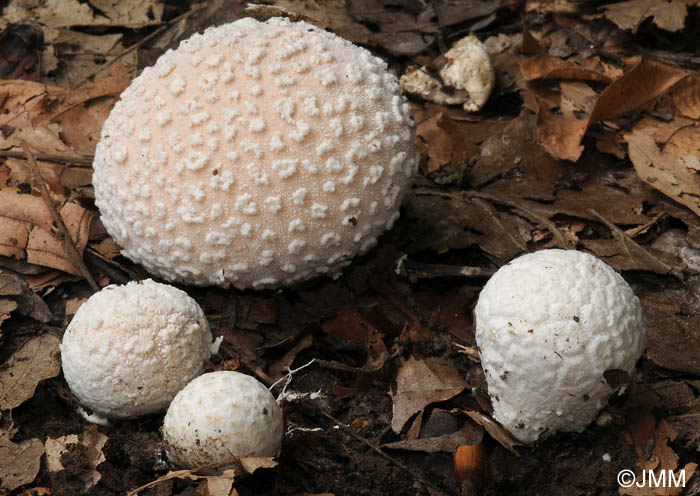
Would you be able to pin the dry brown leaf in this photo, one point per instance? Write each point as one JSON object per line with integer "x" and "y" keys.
{"x": 445, "y": 443}
{"x": 20, "y": 462}
{"x": 26, "y": 301}
{"x": 674, "y": 333}
{"x": 54, "y": 120}
{"x": 443, "y": 142}
{"x": 667, "y": 14}
{"x": 439, "y": 221}
{"x": 545, "y": 66}
{"x": 252, "y": 463}
{"x": 686, "y": 96}
{"x": 35, "y": 361}
{"x": 559, "y": 136}
{"x": 219, "y": 485}
{"x": 644, "y": 81}
{"x": 26, "y": 230}
{"x": 281, "y": 366}
{"x": 495, "y": 430}
{"x": 420, "y": 383}
{"x": 672, "y": 167}
{"x": 92, "y": 440}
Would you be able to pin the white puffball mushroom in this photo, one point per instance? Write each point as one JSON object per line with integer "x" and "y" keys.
{"x": 220, "y": 415}
{"x": 256, "y": 154}
{"x": 548, "y": 325}
{"x": 129, "y": 349}
{"x": 469, "y": 69}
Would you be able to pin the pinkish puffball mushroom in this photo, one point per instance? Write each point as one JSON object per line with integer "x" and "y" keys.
{"x": 129, "y": 349}
{"x": 256, "y": 154}
{"x": 220, "y": 415}
{"x": 548, "y": 326}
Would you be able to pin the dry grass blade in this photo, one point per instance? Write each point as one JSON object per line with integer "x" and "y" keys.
{"x": 73, "y": 253}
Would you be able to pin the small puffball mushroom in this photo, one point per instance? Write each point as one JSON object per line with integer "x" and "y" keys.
{"x": 256, "y": 154}
{"x": 220, "y": 415}
{"x": 129, "y": 349}
{"x": 548, "y": 325}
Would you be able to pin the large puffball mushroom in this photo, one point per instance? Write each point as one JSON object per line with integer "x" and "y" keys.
{"x": 220, "y": 415}
{"x": 129, "y": 349}
{"x": 256, "y": 154}
{"x": 548, "y": 326}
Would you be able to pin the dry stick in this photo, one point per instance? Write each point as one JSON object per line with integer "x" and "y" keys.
{"x": 139, "y": 43}
{"x": 625, "y": 240}
{"x": 384, "y": 455}
{"x": 51, "y": 157}
{"x": 73, "y": 253}
{"x": 428, "y": 271}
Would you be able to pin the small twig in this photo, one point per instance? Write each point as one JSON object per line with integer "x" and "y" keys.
{"x": 417, "y": 270}
{"x": 628, "y": 244}
{"x": 51, "y": 157}
{"x": 141, "y": 42}
{"x": 377, "y": 450}
{"x": 68, "y": 244}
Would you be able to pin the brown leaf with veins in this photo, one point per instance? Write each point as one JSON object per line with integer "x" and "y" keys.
{"x": 686, "y": 96}
{"x": 35, "y": 361}
{"x": 26, "y": 230}
{"x": 672, "y": 167}
{"x": 644, "y": 81}
{"x": 667, "y": 14}
{"x": 545, "y": 66}
{"x": 20, "y": 462}
{"x": 420, "y": 383}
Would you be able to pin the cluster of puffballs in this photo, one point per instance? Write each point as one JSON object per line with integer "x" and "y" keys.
{"x": 258, "y": 155}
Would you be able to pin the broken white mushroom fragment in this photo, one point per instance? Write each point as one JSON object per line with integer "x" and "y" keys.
{"x": 548, "y": 325}
{"x": 468, "y": 71}
{"x": 255, "y": 155}
{"x": 220, "y": 415}
{"x": 129, "y": 349}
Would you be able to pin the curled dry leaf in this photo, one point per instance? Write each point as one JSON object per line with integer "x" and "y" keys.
{"x": 36, "y": 360}
{"x": 686, "y": 96}
{"x": 470, "y": 434}
{"x": 92, "y": 440}
{"x": 20, "y": 462}
{"x": 420, "y": 383}
{"x": 26, "y": 230}
{"x": 644, "y": 81}
{"x": 26, "y": 301}
{"x": 495, "y": 430}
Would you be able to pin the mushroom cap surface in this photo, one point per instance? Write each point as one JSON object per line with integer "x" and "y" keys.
{"x": 220, "y": 415}
{"x": 256, "y": 154}
{"x": 548, "y": 325}
{"x": 129, "y": 349}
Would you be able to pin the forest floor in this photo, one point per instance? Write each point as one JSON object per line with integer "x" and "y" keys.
{"x": 590, "y": 141}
